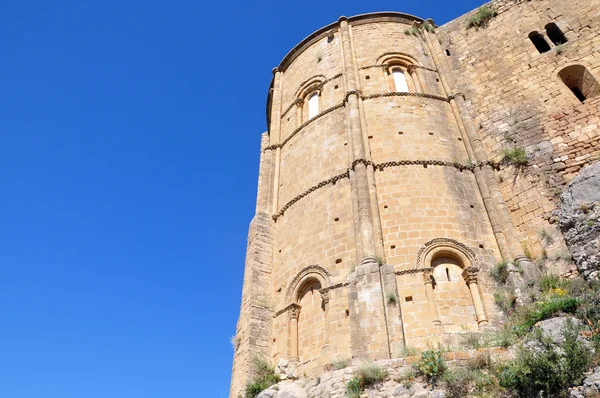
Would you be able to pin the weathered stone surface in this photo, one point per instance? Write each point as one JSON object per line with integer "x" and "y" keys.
{"x": 580, "y": 220}
{"x": 284, "y": 389}
{"x": 590, "y": 386}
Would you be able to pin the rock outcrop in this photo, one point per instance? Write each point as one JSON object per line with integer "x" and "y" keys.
{"x": 580, "y": 220}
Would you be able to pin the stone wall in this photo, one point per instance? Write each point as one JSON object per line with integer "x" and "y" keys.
{"x": 517, "y": 99}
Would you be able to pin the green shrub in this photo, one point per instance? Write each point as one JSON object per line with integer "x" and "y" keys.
{"x": 500, "y": 272}
{"x": 550, "y": 282}
{"x": 431, "y": 365}
{"x": 516, "y": 156}
{"x": 531, "y": 315}
{"x": 505, "y": 300}
{"x": 472, "y": 340}
{"x": 264, "y": 377}
{"x": 459, "y": 382}
{"x": 366, "y": 376}
{"x": 540, "y": 370}
{"x": 370, "y": 374}
{"x": 353, "y": 388}
{"x": 481, "y": 17}
{"x": 428, "y": 26}
{"x": 340, "y": 364}
{"x": 504, "y": 337}
{"x": 414, "y": 31}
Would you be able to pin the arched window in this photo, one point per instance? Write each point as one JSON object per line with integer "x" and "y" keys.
{"x": 580, "y": 81}
{"x": 555, "y": 34}
{"x": 539, "y": 42}
{"x": 452, "y": 295}
{"x": 400, "y": 83}
{"x": 313, "y": 105}
{"x": 311, "y": 337}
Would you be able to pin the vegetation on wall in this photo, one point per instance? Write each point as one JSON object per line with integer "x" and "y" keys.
{"x": 516, "y": 156}
{"x": 366, "y": 376}
{"x": 263, "y": 377}
{"x": 481, "y": 17}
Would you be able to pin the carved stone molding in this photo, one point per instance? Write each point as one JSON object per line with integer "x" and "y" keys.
{"x": 445, "y": 246}
{"x": 294, "y": 311}
{"x": 319, "y": 273}
{"x": 470, "y": 274}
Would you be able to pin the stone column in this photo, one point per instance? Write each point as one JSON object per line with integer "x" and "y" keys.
{"x": 294, "y": 313}
{"x": 358, "y": 149}
{"x": 368, "y": 321}
{"x": 470, "y": 276}
{"x": 275, "y": 134}
{"x": 415, "y": 76}
{"x": 433, "y": 311}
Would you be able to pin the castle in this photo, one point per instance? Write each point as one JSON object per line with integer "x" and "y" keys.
{"x": 392, "y": 178}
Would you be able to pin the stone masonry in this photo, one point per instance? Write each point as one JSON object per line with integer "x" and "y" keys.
{"x": 383, "y": 197}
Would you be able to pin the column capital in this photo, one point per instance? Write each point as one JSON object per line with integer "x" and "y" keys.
{"x": 427, "y": 275}
{"x": 294, "y": 311}
{"x": 324, "y": 296}
{"x": 470, "y": 274}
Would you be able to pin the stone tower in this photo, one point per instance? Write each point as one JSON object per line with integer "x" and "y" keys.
{"x": 379, "y": 211}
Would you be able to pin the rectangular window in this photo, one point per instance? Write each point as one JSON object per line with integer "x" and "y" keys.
{"x": 400, "y": 81}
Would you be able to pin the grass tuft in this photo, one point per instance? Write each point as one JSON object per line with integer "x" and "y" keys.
{"x": 481, "y": 17}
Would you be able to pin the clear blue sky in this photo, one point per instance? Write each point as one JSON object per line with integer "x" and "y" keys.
{"x": 128, "y": 162}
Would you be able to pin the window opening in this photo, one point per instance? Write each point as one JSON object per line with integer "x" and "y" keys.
{"x": 580, "y": 81}
{"x": 400, "y": 81}
{"x": 539, "y": 42}
{"x": 555, "y": 34}
{"x": 313, "y": 105}
{"x": 448, "y": 274}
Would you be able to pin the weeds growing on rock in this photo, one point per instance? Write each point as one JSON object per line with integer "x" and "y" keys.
{"x": 481, "y": 17}
{"x": 500, "y": 272}
{"x": 515, "y": 156}
{"x": 263, "y": 377}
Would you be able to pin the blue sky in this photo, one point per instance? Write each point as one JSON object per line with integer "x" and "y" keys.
{"x": 128, "y": 161}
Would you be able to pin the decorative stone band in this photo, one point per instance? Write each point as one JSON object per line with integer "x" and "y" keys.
{"x": 333, "y": 287}
{"x": 380, "y": 167}
{"x": 299, "y": 128}
{"x": 299, "y": 102}
{"x": 332, "y": 180}
{"x": 459, "y": 166}
{"x": 412, "y": 271}
{"x": 284, "y": 309}
{"x": 343, "y": 103}
{"x": 406, "y": 94}
{"x": 385, "y": 66}
{"x": 324, "y": 296}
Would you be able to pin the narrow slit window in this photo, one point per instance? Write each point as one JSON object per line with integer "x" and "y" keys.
{"x": 539, "y": 42}
{"x": 313, "y": 105}
{"x": 448, "y": 274}
{"x": 555, "y": 34}
{"x": 400, "y": 81}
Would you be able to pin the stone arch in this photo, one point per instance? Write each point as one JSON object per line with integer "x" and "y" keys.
{"x": 450, "y": 277}
{"x": 579, "y": 80}
{"x": 310, "y": 273}
{"x": 400, "y": 62}
{"x": 449, "y": 247}
{"x": 307, "y": 312}
{"x": 539, "y": 42}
